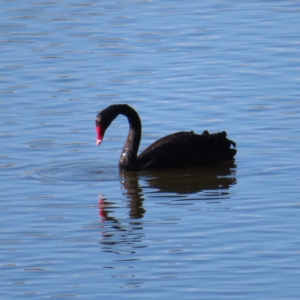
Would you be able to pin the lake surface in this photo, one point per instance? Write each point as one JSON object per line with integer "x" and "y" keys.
{"x": 73, "y": 226}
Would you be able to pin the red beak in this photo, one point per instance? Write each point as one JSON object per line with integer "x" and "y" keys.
{"x": 100, "y": 134}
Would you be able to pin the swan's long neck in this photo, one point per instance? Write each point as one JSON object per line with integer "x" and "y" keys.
{"x": 128, "y": 158}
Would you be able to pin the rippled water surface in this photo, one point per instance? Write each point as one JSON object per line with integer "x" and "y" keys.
{"x": 73, "y": 226}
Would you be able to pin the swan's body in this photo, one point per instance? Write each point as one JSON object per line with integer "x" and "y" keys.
{"x": 181, "y": 149}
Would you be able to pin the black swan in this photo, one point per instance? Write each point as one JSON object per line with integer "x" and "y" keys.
{"x": 181, "y": 149}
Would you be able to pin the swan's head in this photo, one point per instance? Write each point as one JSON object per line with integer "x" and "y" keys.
{"x": 103, "y": 120}
{"x": 107, "y": 115}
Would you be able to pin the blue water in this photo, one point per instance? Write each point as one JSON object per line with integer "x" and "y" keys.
{"x": 73, "y": 226}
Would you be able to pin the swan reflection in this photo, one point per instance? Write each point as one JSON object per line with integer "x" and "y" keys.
{"x": 210, "y": 180}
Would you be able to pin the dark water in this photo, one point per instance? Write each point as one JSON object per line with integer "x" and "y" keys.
{"x": 73, "y": 226}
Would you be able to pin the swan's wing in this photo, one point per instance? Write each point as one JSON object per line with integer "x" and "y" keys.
{"x": 186, "y": 149}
